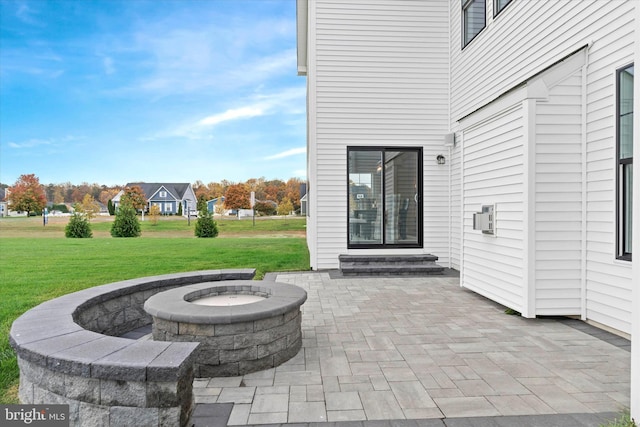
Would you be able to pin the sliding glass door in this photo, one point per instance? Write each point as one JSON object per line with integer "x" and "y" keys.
{"x": 385, "y": 190}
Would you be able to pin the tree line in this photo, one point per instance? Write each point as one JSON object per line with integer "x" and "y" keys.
{"x": 29, "y": 195}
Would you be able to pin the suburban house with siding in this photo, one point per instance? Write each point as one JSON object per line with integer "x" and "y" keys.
{"x": 497, "y": 135}
{"x": 168, "y": 197}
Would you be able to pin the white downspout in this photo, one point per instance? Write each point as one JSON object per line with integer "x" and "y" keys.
{"x": 462, "y": 202}
{"x": 583, "y": 225}
{"x": 449, "y": 203}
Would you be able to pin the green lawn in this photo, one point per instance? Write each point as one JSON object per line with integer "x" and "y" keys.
{"x": 38, "y": 263}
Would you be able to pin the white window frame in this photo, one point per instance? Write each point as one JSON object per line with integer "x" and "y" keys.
{"x": 468, "y": 7}
{"x": 497, "y": 8}
{"x": 624, "y": 168}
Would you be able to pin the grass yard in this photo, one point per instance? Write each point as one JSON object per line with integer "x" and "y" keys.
{"x": 38, "y": 263}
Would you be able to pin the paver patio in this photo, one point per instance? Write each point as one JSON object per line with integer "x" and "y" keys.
{"x": 424, "y": 348}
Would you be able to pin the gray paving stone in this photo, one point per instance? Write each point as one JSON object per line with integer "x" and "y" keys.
{"x": 465, "y": 406}
{"x": 237, "y": 395}
{"x": 346, "y": 415}
{"x": 239, "y": 415}
{"x": 423, "y": 348}
{"x": 268, "y": 418}
{"x": 412, "y": 395}
{"x": 343, "y": 401}
{"x": 381, "y": 405}
{"x": 307, "y": 412}
{"x": 270, "y": 403}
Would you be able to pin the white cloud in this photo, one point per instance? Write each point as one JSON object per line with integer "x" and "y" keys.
{"x": 232, "y": 114}
{"x": 31, "y": 143}
{"x": 288, "y": 153}
{"x": 285, "y": 101}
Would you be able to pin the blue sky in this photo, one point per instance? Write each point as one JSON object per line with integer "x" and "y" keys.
{"x": 118, "y": 91}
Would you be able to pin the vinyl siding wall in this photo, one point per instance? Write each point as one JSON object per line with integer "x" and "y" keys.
{"x": 558, "y": 199}
{"x": 378, "y": 76}
{"x": 493, "y": 173}
{"x": 522, "y": 41}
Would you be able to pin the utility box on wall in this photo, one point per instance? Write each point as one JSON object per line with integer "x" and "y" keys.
{"x": 485, "y": 220}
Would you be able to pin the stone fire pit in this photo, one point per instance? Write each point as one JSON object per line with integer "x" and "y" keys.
{"x": 242, "y": 326}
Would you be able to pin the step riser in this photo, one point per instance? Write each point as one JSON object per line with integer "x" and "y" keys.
{"x": 389, "y": 265}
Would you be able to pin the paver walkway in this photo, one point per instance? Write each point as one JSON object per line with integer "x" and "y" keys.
{"x": 423, "y": 348}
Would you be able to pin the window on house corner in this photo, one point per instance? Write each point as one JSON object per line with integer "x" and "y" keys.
{"x": 473, "y": 19}
{"x": 498, "y": 5}
{"x": 624, "y": 134}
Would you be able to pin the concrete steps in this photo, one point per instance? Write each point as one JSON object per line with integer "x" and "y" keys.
{"x": 389, "y": 265}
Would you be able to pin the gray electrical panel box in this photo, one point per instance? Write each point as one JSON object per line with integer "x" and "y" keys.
{"x": 485, "y": 220}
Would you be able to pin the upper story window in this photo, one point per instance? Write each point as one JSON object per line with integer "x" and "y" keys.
{"x": 624, "y": 148}
{"x": 473, "y": 19}
{"x": 498, "y": 5}
{"x": 163, "y": 194}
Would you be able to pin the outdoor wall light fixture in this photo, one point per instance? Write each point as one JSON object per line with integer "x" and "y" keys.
{"x": 440, "y": 159}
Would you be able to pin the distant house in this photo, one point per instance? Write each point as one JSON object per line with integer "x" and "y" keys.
{"x": 303, "y": 199}
{"x": 168, "y": 197}
{"x": 4, "y": 205}
{"x": 211, "y": 204}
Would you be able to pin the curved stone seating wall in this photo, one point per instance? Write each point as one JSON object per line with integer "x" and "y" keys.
{"x": 237, "y": 339}
{"x": 67, "y": 355}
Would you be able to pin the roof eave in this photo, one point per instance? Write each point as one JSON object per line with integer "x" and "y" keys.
{"x": 302, "y": 7}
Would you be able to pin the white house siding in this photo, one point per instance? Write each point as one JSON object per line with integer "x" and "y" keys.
{"x": 608, "y": 282}
{"x": 493, "y": 173}
{"x": 526, "y": 38}
{"x": 558, "y": 199}
{"x": 378, "y": 76}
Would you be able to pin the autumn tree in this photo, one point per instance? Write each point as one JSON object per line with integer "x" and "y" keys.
{"x": 274, "y": 190}
{"x": 292, "y": 192}
{"x": 89, "y": 207}
{"x": 201, "y": 190}
{"x": 237, "y": 197}
{"x": 58, "y": 196}
{"x": 135, "y": 197}
{"x": 219, "y": 207}
{"x": 285, "y": 207}
{"x": 27, "y": 195}
{"x": 107, "y": 194}
{"x": 154, "y": 213}
{"x": 217, "y": 189}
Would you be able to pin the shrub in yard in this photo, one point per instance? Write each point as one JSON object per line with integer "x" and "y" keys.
{"x": 78, "y": 227}
{"x": 265, "y": 208}
{"x": 126, "y": 223}
{"x": 60, "y": 207}
{"x": 205, "y": 225}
